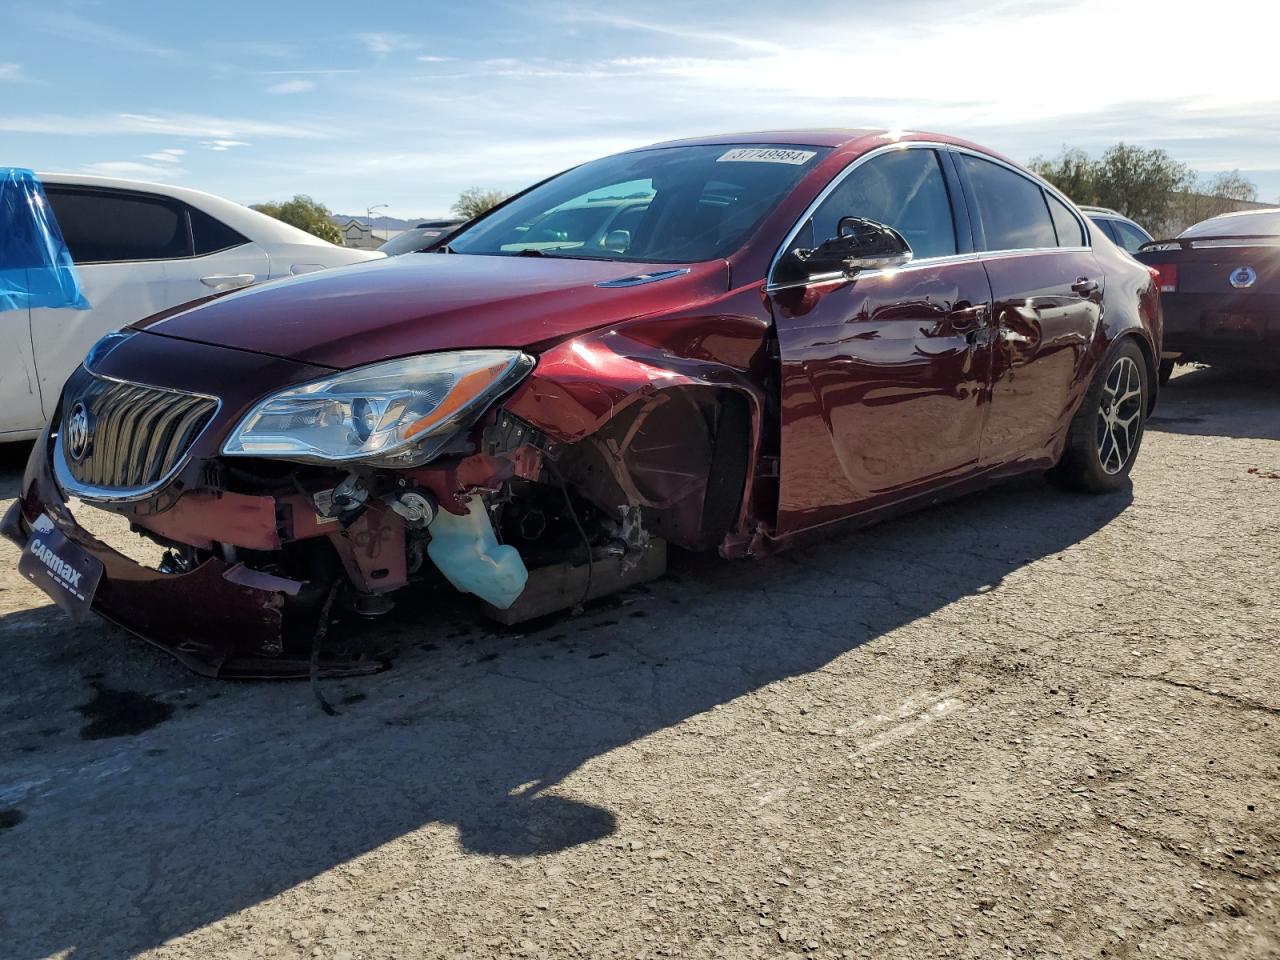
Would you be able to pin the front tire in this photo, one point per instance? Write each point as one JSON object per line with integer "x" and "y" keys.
{"x": 1106, "y": 432}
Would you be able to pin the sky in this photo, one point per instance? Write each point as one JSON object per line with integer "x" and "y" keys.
{"x": 406, "y": 103}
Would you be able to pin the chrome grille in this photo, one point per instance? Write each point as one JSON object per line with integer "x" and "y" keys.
{"x": 137, "y": 434}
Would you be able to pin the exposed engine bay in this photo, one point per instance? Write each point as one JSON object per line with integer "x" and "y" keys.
{"x": 527, "y": 524}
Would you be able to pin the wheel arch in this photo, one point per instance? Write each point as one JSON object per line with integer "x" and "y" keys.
{"x": 632, "y": 425}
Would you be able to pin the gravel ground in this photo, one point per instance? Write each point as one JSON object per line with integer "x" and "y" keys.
{"x": 1022, "y": 724}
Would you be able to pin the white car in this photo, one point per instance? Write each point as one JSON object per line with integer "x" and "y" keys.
{"x": 138, "y": 248}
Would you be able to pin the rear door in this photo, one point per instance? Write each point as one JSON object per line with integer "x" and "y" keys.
{"x": 222, "y": 259}
{"x": 1046, "y": 289}
{"x": 883, "y": 375}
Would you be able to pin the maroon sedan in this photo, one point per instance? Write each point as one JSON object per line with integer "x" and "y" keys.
{"x": 729, "y": 343}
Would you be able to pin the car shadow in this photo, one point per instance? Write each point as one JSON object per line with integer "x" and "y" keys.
{"x": 1191, "y": 403}
{"x": 208, "y": 797}
{"x": 13, "y": 462}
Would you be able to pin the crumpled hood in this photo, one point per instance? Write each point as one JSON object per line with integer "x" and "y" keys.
{"x": 420, "y": 303}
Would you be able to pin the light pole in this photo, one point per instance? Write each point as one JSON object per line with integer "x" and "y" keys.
{"x": 368, "y": 212}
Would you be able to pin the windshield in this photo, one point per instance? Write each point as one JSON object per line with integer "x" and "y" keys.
{"x": 413, "y": 240}
{"x": 1262, "y": 223}
{"x": 672, "y": 205}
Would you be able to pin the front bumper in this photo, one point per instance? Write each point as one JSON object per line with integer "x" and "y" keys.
{"x": 214, "y": 625}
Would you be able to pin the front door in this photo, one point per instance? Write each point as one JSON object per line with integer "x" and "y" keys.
{"x": 883, "y": 375}
{"x": 1046, "y": 289}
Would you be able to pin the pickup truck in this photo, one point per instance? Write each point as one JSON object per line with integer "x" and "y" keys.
{"x": 1220, "y": 287}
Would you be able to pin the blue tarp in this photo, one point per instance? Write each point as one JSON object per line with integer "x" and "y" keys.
{"x": 35, "y": 266}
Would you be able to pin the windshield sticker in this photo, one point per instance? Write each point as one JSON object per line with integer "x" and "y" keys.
{"x": 766, "y": 155}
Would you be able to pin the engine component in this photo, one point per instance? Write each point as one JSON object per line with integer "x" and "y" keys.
{"x": 351, "y": 494}
{"x": 465, "y": 550}
{"x": 418, "y": 509}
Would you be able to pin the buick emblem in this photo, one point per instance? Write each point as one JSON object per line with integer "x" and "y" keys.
{"x": 78, "y": 432}
{"x": 1243, "y": 277}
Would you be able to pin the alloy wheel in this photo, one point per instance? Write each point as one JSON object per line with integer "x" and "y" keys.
{"x": 1120, "y": 415}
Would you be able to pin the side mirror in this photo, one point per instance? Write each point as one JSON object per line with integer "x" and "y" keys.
{"x": 617, "y": 240}
{"x": 860, "y": 244}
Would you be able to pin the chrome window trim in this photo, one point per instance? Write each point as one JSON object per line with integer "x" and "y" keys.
{"x": 829, "y": 189}
{"x": 69, "y": 484}
{"x": 771, "y": 287}
{"x": 1044, "y": 185}
{"x": 922, "y": 264}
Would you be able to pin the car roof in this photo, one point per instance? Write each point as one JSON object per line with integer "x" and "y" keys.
{"x": 251, "y": 223}
{"x": 821, "y": 137}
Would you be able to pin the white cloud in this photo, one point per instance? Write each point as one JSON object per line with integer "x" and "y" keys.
{"x": 131, "y": 170}
{"x": 682, "y": 30}
{"x": 257, "y": 48}
{"x": 314, "y": 73}
{"x": 384, "y": 43}
{"x": 169, "y": 155}
{"x": 71, "y": 26}
{"x": 220, "y": 146}
{"x": 10, "y": 71}
{"x": 292, "y": 86}
{"x": 429, "y": 58}
{"x": 177, "y": 125}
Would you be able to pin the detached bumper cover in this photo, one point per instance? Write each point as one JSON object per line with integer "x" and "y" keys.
{"x": 215, "y": 625}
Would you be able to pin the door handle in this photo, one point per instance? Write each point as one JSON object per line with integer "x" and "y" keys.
{"x": 1085, "y": 287}
{"x": 227, "y": 281}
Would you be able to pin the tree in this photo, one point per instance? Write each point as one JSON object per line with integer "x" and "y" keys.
{"x": 1221, "y": 194}
{"x": 476, "y": 200}
{"x": 305, "y": 214}
{"x": 1071, "y": 171}
{"x": 1141, "y": 182}
{"x": 1146, "y": 184}
{"x": 1232, "y": 185}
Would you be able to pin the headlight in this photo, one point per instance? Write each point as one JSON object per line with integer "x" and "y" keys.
{"x": 98, "y": 352}
{"x": 388, "y": 414}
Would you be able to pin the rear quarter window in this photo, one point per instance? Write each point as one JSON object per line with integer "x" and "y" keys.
{"x": 1070, "y": 232}
{"x": 211, "y": 235}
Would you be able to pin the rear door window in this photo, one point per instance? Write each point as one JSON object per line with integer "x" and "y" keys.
{"x": 904, "y": 189}
{"x": 1012, "y": 208}
{"x": 110, "y": 226}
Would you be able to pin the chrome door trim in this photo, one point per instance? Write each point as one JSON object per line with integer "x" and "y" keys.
{"x": 926, "y": 262}
{"x": 826, "y": 191}
{"x": 1044, "y": 184}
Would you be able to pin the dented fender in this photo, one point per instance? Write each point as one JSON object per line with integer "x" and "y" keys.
{"x": 600, "y": 390}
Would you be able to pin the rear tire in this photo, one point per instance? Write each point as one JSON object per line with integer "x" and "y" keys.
{"x": 1166, "y": 371}
{"x": 1106, "y": 432}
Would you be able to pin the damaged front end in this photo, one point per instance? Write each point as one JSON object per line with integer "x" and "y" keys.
{"x": 339, "y": 489}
